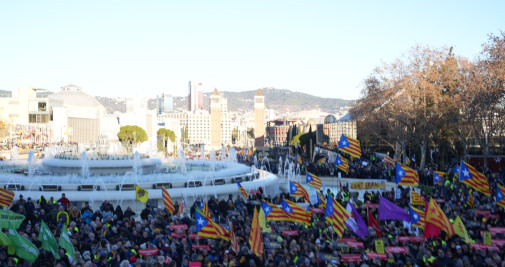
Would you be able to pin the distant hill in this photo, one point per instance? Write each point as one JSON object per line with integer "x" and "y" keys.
{"x": 278, "y": 99}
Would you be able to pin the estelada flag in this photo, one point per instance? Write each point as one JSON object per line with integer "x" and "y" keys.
{"x": 314, "y": 181}
{"x": 406, "y": 175}
{"x": 471, "y": 177}
{"x": 167, "y": 200}
{"x": 141, "y": 194}
{"x": 273, "y": 213}
{"x": 416, "y": 198}
{"x": 350, "y": 146}
{"x": 6, "y": 197}
{"x": 437, "y": 177}
{"x": 208, "y": 228}
{"x": 295, "y": 212}
{"x": 500, "y": 195}
{"x": 297, "y": 190}
{"x": 255, "y": 240}
{"x": 342, "y": 164}
{"x": 436, "y": 220}
{"x": 417, "y": 217}
{"x": 336, "y": 215}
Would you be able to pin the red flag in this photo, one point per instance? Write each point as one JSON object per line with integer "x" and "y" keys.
{"x": 372, "y": 222}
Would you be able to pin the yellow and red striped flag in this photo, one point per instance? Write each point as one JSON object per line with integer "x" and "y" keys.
{"x": 297, "y": 190}
{"x": 233, "y": 239}
{"x": 314, "y": 181}
{"x": 242, "y": 190}
{"x": 406, "y": 175}
{"x": 350, "y": 146}
{"x": 6, "y": 197}
{"x": 471, "y": 177}
{"x": 295, "y": 212}
{"x": 167, "y": 200}
{"x": 272, "y": 212}
{"x": 336, "y": 215}
{"x": 208, "y": 228}
{"x": 342, "y": 164}
{"x": 205, "y": 209}
{"x": 321, "y": 201}
{"x": 255, "y": 240}
{"x": 417, "y": 217}
{"x": 416, "y": 198}
{"x": 436, "y": 220}
{"x": 389, "y": 160}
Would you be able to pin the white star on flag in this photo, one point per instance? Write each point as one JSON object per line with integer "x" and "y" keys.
{"x": 416, "y": 216}
{"x": 344, "y": 143}
{"x": 293, "y": 188}
{"x": 200, "y": 221}
{"x": 466, "y": 173}
{"x": 267, "y": 209}
{"x": 401, "y": 173}
{"x": 288, "y": 209}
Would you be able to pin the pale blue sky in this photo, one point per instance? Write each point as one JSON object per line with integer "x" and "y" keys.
{"x": 128, "y": 48}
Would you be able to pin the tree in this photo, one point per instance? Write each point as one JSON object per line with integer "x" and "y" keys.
{"x": 485, "y": 88}
{"x": 165, "y": 135}
{"x": 234, "y": 135}
{"x": 131, "y": 134}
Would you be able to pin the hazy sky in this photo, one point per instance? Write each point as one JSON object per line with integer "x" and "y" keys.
{"x": 129, "y": 48}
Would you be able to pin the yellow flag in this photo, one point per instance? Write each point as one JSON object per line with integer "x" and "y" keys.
{"x": 263, "y": 222}
{"x": 141, "y": 194}
{"x": 459, "y": 229}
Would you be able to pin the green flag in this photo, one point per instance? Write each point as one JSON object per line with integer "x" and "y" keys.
{"x": 66, "y": 243}
{"x": 24, "y": 248}
{"x": 10, "y": 219}
{"x": 48, "y": 241}
{"x": 5, "y": 241}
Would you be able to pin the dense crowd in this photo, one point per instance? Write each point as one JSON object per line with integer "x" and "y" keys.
{"x": 114, "y": 236}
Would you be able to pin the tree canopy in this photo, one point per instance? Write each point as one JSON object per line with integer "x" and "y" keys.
{"x": 131, "y": 134}
{"x": 432, "y": 99}
{"x": 166, "y": 134}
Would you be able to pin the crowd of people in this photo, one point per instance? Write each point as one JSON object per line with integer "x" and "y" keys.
{"x": 114, "y": 236}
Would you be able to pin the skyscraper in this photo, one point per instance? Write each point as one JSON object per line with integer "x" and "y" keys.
{"x": 165, "y": 104}
{"x": 259, "y": 118}
{"x": 195, "y": 96}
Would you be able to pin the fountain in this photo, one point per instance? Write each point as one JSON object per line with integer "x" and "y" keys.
{"x": 232, "y": 155}
{"x": 107, "y": 175}
{"x": 30, "y": 164}
{"x": 85, "y": 167}
{"x": 212, "y": 159}
{"x": 15, "y": 154}
{"x": 181, "y": 156}
{"x": 223, "y": 153}
{"x": 202, "y": 156}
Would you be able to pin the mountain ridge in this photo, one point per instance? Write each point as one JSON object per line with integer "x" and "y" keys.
{"x": 278, "y": 99}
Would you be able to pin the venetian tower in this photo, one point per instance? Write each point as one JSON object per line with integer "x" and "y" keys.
{"x": 259, "y": 119}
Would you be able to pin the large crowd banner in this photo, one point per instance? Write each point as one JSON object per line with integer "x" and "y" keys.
{"x": 361, "y": 185}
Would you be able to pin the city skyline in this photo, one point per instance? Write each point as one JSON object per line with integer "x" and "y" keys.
{"x": 322, "y": 48}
